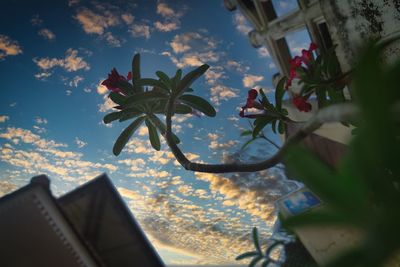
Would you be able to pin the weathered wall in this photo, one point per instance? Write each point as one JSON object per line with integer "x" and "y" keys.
{"x": 352, "y": 22}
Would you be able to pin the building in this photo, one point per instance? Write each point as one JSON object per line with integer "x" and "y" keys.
{"x": 89, "y": 226}
{"x": 346, "y": 25}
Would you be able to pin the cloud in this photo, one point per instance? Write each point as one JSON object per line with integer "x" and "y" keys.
{"x": 79, "y": 142}
{"x": 164, "y": 10}
{"x": 94, "y": 23}
{"x": 4, "y": 118}
{"x": 112, "y": 40}
{"x": 71, "y": 63}
{"x": 127, "y": 18}
{"x": 263, "y": 52}
{"x": 214, "y": 74}
{"x": 221, "y": 92}
{"x": 166, "y": 26}
{"x": 251, "y": 80}
{"x": 140, "y": 30}
{"x": 36, "y": 20}
{"x": 40, "y": 120}
{"x": 8, "y": 47}
{"x": 171, "y": 17}
{"x": 47, "y": 34}
{"x": 241, "y": 23}
{"x": 32, "y": 155}
{"x": 76, "y": 80}
{"x": 101, "y": 89}
{"x": 180, "y": 43}
{"x": 107, "y": 105}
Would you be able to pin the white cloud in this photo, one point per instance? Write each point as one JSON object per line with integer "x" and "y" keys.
{"x": 71, "y": 63}
{"x": 221, "y": 92}
{"x": 107, "y": 105}
{"x": 75, "y": 81}
{"x": 263, "y": 52}
{"x": 94, "y": 23}
{"x": 8, "y": 47}
{"x": 164, "y": 10}
{"x": 140, "y": 30}
{"x": 241, "y": 23}
{"x": 180, "y": 43}
{"x": 47, "y": 34}
{"x": 251, "y": 80}
{"x": 40, "y": 120}
{"x": 4, "y": 118}
{"x": 166, "y": 26}
{"x": 127, "y": 18}
{"x": 112, "y": 40}
{"x": 80, "y": 143}
{"x": 101, "y": 89}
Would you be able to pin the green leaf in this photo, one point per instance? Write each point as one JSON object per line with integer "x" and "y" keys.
{"x": 190, "y": 78}
{"x": 255, "y": 240}
{"x": 129, "y": 114}
{"x": 182, "y": 109}
{"x": 117, "y": 98}
{"x": 265, "y": 263}
{"x": 126, "y": 135}
{"x": 281, "y": 127}
{"x": 260, "y": 124}
{"x": 315, "y": 217}
{"x": 321, "y": 180}
{"x": 247, "y": 255}
{"x": 247, "y": 143}
{"x": 177, "y": 78}
{"x": 272, "y": 247}
{"x": 143, "y": 97}
{"x": 247, "y": 132}
{"x": 199, "y": 104}
{"x": 137, "y": 88}
{"x": 153, "y": 135}
{"x": 255, "y": 260}
{"x": 164, "y": 79}
{"x": 279, "y": 93}
{"x": 273, "y": 126}
{"x": 162, "y": 127}
{"x": 151, "y": 82}
{"x": 112, "y": 117}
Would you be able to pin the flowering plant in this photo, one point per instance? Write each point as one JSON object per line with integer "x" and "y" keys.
{"x": 144, "y": 105}
{"x": 321, "y": 76}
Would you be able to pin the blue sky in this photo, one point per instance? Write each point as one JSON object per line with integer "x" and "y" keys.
{"x": 53, "y": 56}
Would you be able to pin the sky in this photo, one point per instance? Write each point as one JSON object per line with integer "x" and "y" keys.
{"x": 53, "y": 57}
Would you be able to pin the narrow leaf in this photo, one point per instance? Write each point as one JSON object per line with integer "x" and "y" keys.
{"x": 245, "y": 133}
{"x": 117, "y": 98}
{"x": 143, "y": 97}
{"x": 279, "y": 93}
{"x": 164, "y": 79}
{"x": 126, "y": 135}
{"x": 247, "y": 255}
{"x": 261, "y": 123}
{"x": 255, "y": 260}
{"x": 153, "y": 135}
{"x": 199, "y": 104}
{"x": 136, "y": 74}
{"x": 162, "y": 127}
{"x": 255, "y": 240}
{"x": 190, "y": 78}
{"x": 112, "y": 117}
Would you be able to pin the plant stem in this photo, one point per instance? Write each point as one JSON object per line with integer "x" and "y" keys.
{"x": 335, "y": 113}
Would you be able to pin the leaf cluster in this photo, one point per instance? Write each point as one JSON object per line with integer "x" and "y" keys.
{"x": 364, "y": 192}
{"x": 146, "y": 98}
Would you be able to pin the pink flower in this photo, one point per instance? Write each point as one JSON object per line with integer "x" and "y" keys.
{"x": 113, "y": 79}
{"x": 301, "y": 103}
{"x": 306, "y": 56}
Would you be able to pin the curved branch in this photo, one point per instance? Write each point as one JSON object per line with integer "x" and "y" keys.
{"x": 336, "y": 113}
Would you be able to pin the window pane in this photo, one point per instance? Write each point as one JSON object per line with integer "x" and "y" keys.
{"x": 297, "y": 41}
{"x": 283, "y": 7}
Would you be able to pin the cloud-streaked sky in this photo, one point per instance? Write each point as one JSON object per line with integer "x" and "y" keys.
{"x": 53, "y": 57}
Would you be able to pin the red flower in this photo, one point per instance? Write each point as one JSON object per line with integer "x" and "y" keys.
{"x": 313, "y": 46}
{"x": 112, "y": 81}
{"x": 306, "y": 56}
{"x": 301, "y": 103}
{"x": 295, "y": 62}
{"x": 250, "y": 102}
